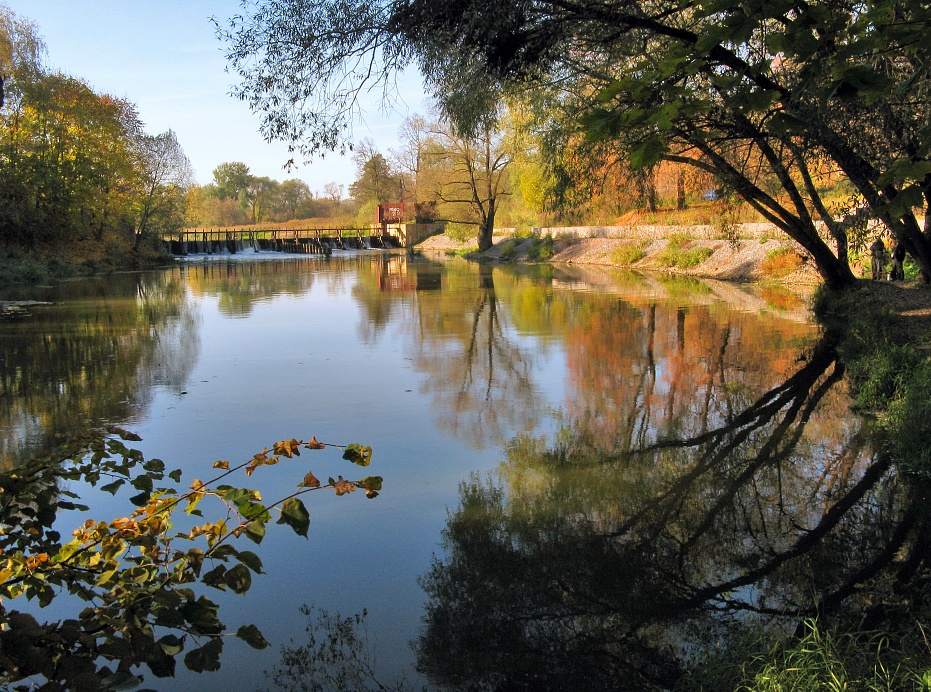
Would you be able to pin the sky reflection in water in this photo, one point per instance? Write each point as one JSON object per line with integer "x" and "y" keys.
{"x": 562, "y": 426}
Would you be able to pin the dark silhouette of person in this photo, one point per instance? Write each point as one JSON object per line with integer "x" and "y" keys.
{"x": 878, "y": 255}
{"x": 898, "y": 257}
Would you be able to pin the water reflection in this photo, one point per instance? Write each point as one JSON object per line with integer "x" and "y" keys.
{"x": 92, "y": 355}
{"x": 683, "y": 498}
{"x": 706, "y": 471}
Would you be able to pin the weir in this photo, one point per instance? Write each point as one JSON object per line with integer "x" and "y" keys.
{"x": 295, "y": 240}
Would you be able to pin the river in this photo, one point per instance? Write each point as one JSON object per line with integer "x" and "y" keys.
{"x": 589, "y": 475}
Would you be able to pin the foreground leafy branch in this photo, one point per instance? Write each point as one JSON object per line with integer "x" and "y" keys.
{"x": 136, "y": 575}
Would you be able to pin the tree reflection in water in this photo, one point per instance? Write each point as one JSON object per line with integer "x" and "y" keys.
{"x": 93, "y": 357}
{"x": 638, "y": 540}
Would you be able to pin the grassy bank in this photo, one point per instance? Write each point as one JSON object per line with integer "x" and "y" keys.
{"x": 885, "y": 342}
{"x": 883, "y": 333}
{"x": 22, "y": 267}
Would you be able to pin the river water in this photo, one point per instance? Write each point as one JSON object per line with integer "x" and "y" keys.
{"x": 589, "y": 475}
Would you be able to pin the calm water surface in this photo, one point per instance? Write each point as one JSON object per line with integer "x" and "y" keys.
{"x": 587, "y": 475}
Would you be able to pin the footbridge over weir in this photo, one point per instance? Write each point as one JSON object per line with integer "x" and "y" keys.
{"x": 310, "y": 240}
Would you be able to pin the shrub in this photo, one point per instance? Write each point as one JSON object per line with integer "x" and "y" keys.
{"x": 508, "y": 249}
{"x": 541, "y": 250}
{"x": 628, "y": 254}
{"x": 909, "y": 421}
{"x": 881, "y": 376}
{"x": 780, "y": 262}
{"x": 676, "y": 254}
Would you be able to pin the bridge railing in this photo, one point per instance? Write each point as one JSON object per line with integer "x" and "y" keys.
{"x": 407, "y": 235}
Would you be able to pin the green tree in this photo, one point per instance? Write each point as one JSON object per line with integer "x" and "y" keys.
{"x": 375, "y": 182}
{"x": 259, "y": 195}
{"x": 231, "y": 179}
{"x": 293, "y": 195}
{"x": 473, "y": 178}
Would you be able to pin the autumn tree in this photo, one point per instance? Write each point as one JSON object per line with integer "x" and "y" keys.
{"x": 749, "y": 94}
{"x": 165, "y": 175}
{"x": 409, "y": 158}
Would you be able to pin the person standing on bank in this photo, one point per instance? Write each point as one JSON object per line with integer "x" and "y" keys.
{"x": 878, "y": 255}
{"x": 898, "y": 257}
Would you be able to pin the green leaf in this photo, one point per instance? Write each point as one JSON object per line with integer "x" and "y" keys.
{"x": 255, "y": 531}
{"x": 171, "y": 644}
{"x": 175, "y": 475}
{"x": 647, "y": 153}
{"x": 112, "y": 487}
{"x": 295, "y": 515}
{"x": 154, "y": 465}
{"x": 206, "y": 658}
{"x": 372, "y": 482}
{"x": 162, "y": 666}
{"x": 252, "y": 636}
{"x": 216, "y": 577}
{"x": 143, "y": 483}
{"x": 357, "y": 454}
{"x": 141, "y": 499}
{"x": 250, "y": 560}
{"x": 120, "y": 680}
{"x": 239, "y": 579}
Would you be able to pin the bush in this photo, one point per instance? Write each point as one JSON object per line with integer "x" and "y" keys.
{"x": 909, "y": 421}
{"x": 508, "y": 249}
{"x": 541, "y": 250}
{"x": 676, "y": 254}
{"x": 881, "y": 376}
{"x": 628, "y": 254}
{"x": 780, "y": 262}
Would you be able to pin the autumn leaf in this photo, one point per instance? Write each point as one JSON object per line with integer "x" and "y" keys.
{"x": 310, "y": 481}
{"x": 221, "y": 465}
{"x": 288, "y": 448}
{"x": 313, "y": 444}
{"x": 342, "y": 486}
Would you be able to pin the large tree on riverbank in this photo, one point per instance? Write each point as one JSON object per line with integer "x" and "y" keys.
{"x": 77, "y": 171}
{"x": 756, "y": 94}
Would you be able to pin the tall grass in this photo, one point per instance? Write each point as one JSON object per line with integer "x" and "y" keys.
{"x": 822, "y": 659}
{"x": 628, "y": 254}
{"x": 677, "y": 253}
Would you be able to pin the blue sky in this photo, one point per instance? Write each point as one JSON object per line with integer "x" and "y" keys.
{"x": 163, "y": 56}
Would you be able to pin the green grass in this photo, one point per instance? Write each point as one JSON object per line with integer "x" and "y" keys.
{"x": 887, "y": 375}
{"x": 677, "y": 254}
{"x": 822, "y": 659}
{"x": 628, "y": 254}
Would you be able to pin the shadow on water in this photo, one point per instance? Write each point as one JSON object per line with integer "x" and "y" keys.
{"x": 579, "y": 565}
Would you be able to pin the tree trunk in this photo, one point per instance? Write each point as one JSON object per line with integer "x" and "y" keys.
{"x": 486, "y": 229}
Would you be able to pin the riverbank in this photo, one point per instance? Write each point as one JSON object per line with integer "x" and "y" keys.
{"x": 725, "y": 260}
{"x": 19, "y": 267}
{"x": 746, "y": 260}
